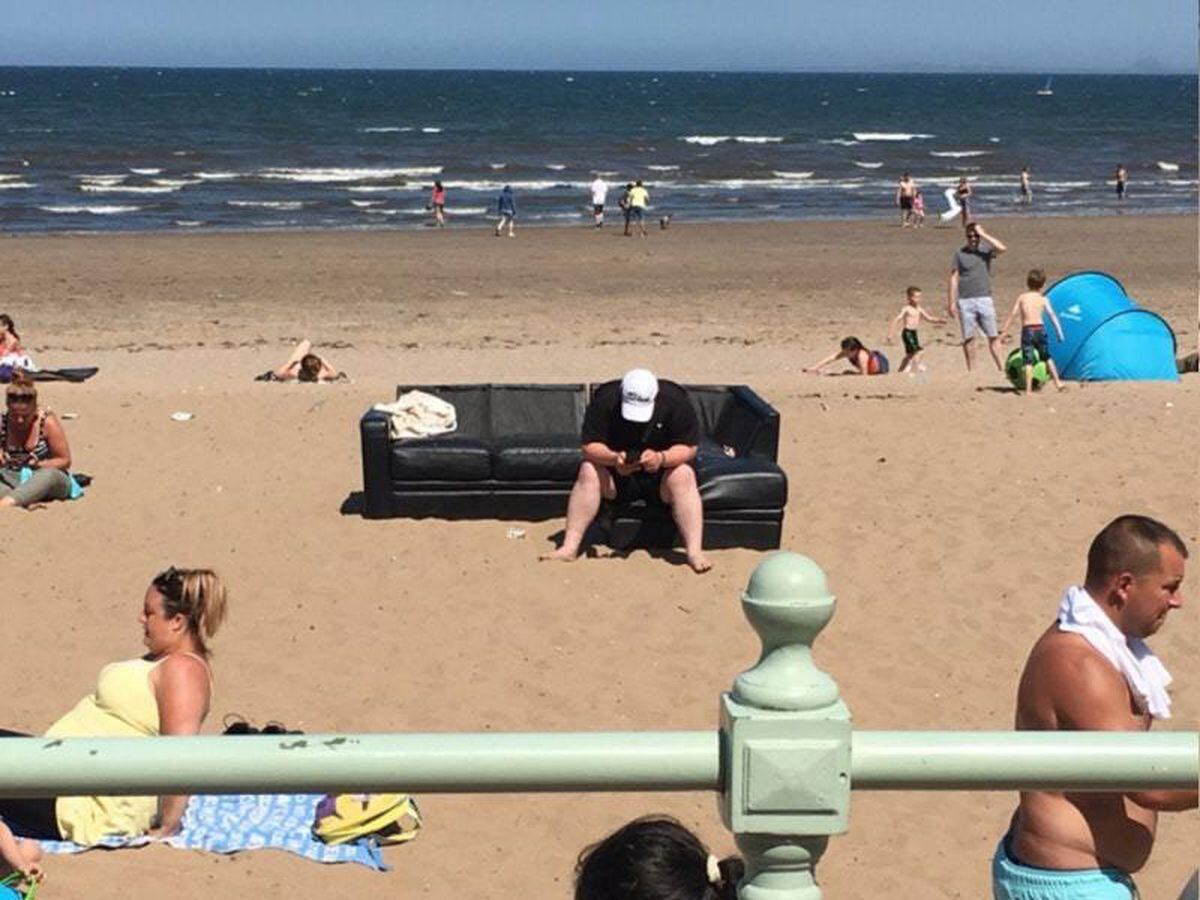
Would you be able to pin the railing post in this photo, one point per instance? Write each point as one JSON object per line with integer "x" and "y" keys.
{"x": 785, "y": 737}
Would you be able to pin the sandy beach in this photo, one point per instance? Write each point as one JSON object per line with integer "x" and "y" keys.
{"x": 948, "y": 513}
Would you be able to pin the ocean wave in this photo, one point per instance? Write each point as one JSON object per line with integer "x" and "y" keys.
{"x": 468, "y": 210}
{"x": 335, "y": 175}
{"x": 758, "y": 139}
{"x": 515, "y": 185}
{"x": 175, "y": 182}
{"x": 889, "y": 136}
{"x": 793, "y": 175}
{"x": 9, "y": 176}
{"x": 146, "y": 171}
{"x": 868, "y": 165}
{"x": 218, "y": 176}
{"x": 1167, "y": 166}
{"x": 993, "y": 140}
{"x": 101, "y": 179}
{"x": 959, "y": 154}
{"x": 607, "y": 173}
{"x": 126, "y": 189}
{"x": 431, "y": 129}
{"x": 93, "y": 210}
{"x": 387, "y": 212}
{"x": 266, "y": 204}
{"x": 497, "y": 165}
{"x": 1174, "y": 182}
{"x": 557, "y": 167}
{"x": 188, "y": 223}
{"x": 386, "y": 129}
{"x": 382, "y": 188}
{"x": 705, "y": 140}
{"x": 841, "y": 142}
{"x": 662, "y": 169}
{"x": 366, "y": 204}
{"x": 15, "y": 185}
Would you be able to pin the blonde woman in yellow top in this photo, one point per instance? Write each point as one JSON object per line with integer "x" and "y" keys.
{"x": 167, "y": 691}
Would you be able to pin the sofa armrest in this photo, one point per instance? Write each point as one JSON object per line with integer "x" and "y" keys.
{"x": 750, "y": 425}
{"x": 377, "y": 473}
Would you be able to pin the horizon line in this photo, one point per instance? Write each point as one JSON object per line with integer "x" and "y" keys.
{"x": 1042, "y": 73}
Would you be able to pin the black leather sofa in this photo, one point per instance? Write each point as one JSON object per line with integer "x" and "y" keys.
{"x": 516, "y": 452}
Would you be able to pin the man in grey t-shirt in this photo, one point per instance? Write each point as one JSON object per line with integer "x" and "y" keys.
{"x": 969, "y": 297}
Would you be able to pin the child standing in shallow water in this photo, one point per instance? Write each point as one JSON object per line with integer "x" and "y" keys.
{"x": 1030, "y": 306}
{"x": 909, "y": 318}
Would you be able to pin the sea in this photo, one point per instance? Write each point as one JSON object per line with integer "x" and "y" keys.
{"x": 144, "y": 149}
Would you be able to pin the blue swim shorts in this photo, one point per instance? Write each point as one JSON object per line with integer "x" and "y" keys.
{"x": 1012, "y": 880}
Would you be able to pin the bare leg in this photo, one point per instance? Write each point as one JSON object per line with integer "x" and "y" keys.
{"x": 994, "y": 349}
{"x": 680, "y": 491}
{"x": 968, "y": 346}
{"x": 906, "y": 362}
{"x": 1054, "y": 374}
{"x": 1028, "y": 380}
{"x": 592, "y": 483}
{"x": 302, "y": 350}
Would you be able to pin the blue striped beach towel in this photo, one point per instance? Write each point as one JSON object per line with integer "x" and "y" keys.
{"x": 231, "y": 823}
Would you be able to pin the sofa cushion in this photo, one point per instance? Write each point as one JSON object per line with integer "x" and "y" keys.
{"x": 447, "y": 457}
{"x": 537, "y": 409}
{"x": 537, "y": 457}
{"x": 742, "y": 482}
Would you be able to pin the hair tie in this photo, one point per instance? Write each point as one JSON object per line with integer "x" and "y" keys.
{"x": 713, "y": 867}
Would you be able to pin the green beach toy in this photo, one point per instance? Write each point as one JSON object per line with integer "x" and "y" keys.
{"x": 1014, "y": 368}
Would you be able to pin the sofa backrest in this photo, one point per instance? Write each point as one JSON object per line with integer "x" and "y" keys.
{"x": 710, "y": 402}
{"x": 470, "y": 402}
{"x": 537, "y": 409}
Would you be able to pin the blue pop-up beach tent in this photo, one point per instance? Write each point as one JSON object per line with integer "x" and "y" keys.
{"x": 1107, "y": 336}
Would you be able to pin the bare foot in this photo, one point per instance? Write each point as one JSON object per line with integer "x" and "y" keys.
{"x": 1062, "y": 387}
{"x": 699, "y": 563}
{"x": 562, "y": 554}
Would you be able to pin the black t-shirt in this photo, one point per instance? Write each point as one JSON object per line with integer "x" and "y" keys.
{"x": 674, "y": 420}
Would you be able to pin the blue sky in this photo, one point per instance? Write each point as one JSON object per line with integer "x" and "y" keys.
{"x": 824, "y": 35}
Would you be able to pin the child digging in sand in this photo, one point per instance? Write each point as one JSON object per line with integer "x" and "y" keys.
{"x": 909, "y": 318}
{"x": 1030, "y": 306}
{"x": 866, "y": 362}
{"x": 18, "y": 856}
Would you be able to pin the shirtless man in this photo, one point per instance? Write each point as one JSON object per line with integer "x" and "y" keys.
{"x": 1080, "y": 676}
{"x": 906, "y": 190}
{"x": 1030, "y": 306}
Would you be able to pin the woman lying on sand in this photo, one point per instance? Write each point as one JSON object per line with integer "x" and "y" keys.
{"x": 866, "y": 362}
{"x": 166, "y": 691}
{"x": 303, "y": 365}
{"x": 31, "y": 438}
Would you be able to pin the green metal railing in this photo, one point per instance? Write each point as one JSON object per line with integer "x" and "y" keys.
{"x": 783, "y": 761}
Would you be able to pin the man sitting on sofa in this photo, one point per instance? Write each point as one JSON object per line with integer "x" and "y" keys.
{"x": 640, "y": 437}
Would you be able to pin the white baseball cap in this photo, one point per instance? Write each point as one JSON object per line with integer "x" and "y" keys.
{"x": 639, "y": 387}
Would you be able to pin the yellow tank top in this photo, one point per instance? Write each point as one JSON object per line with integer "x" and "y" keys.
{"x": 123, "y": 705}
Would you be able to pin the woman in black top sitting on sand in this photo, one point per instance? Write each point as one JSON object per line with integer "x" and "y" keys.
{"x": 31, "y": 438}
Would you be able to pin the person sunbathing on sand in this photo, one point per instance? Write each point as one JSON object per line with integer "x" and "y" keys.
{"x": 640, "y": 437}
{"x": 865, "y": 362}
{"x": 303, "y": 365}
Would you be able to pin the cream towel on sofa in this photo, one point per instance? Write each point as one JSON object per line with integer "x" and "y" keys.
{"x": 418, "y": 414}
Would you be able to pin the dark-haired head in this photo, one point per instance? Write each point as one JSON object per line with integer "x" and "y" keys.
{"x": 1035, "y": 279}
{"x": 20, "y": 389}
{"x": 310, "y": 367}
{"x": 438, "y": 185}
{"x": 655, "y": 858}
{"x": 1129, "y": 543}
{"x": 8, "y": 325}
{"x": 851, "y": 345}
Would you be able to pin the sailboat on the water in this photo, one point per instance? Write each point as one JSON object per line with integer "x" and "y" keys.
{"x": 1045, "y": 90}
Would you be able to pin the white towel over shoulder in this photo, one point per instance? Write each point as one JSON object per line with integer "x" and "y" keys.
{"x": 1147, "y": 677}
{"x": 418, "y": 414}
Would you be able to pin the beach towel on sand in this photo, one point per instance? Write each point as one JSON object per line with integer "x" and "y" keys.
{"x": 418, "y": 414}
{"x": 229, "y": 823}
